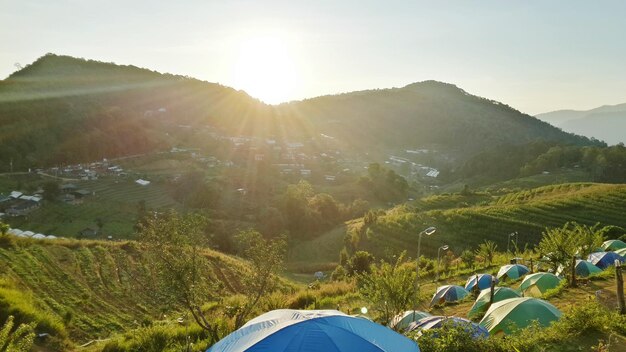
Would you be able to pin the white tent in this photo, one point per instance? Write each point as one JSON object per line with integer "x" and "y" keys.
{"x": 142, "y": 182}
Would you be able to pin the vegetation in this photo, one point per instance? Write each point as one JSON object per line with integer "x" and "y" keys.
{"x": 19, "y": 340}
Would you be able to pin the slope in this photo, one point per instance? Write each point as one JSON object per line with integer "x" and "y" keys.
{"x": 467, "y": 224}
{"x": 86, "y": 289}
{"x": 428, "y": 114}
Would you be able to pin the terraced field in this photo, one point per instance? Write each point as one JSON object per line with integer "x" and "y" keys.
{"x": 86, "y": 289}
{"x": 527, "y": 212}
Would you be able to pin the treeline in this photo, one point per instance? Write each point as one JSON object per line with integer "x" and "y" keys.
{"x": 604, "y": 164}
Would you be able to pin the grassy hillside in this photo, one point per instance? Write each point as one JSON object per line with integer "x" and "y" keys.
{"x": 86, "y": 289}
{"x": 465, "y": 221}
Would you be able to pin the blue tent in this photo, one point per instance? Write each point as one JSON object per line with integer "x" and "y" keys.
{"x": 604, "y": 259}
{"x": 484, "y": 281}
{"x": 437, "y": 322}
{"x": 448, "y": 293}
{"x": 287, "y": 330}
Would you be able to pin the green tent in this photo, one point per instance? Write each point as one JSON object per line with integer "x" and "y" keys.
{"x": 537, "y": 284}
{"x": 621, "y": 252}
{"x": 612, "y": 245}
{"x": 518, "y": 312}
{"x": 499, "y": 294}
{"x": 401, "y": 321}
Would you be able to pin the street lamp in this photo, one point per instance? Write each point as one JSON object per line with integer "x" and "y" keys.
{"x": 429, "y": 231}
{"x": 444, "y": 248}
{"x": 508, "y": 243}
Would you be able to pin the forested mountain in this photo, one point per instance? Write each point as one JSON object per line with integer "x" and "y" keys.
{"x": 607, "y": 122}
{"x": 61, "y": 109}
{"x": 425, "y": 114}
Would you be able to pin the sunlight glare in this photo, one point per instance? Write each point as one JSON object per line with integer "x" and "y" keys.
{"x": 265, "y": 69}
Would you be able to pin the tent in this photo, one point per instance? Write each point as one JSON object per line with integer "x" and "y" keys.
{"x": 401, "y": 321}
{"x": 538, "y": 283}
{"x": 612, "y": 245}
{"x": 448, "y": 293}
{"x": 604, "y": 259}
{"x": 287, "y": 330}
{"x": 484, "y": 281}
{"x": 512, "y": 271}
{"x": 621, "y": 252}
{"x": 437, "y": 322}
{"x": 499, "y": 294}
{"x": 518, "y": 312}
{"x": 584, "y": 268}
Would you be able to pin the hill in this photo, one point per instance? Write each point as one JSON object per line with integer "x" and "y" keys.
{"x": 427, "y": 114}
{"x": 606, "y": 123}
{"x": 464, "y": 221}
{"x": 61, "y": 110}
{"x": 83, "y": 290}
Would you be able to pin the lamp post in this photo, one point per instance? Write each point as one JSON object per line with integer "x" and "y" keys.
{"x": 508, "y": 243}
{"x": 429, "y": 231}
{"x": 444, "y": 248}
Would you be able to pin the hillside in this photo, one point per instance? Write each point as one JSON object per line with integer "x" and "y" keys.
{"x": 464, "y": 221}
{"x": 61, "y": 110}
{"x": 87, "y": 289}
{"x": 427, "y": 114}
{"x": 606, "y": 123}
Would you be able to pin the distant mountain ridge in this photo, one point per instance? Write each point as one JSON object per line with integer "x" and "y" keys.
{"x": 61, "y": 109}
{"x": 606, "y": 123}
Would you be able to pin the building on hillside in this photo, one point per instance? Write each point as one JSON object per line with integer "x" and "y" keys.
{"x": 22, "y": 208}
{"x": 68, "y": 188}
{"x": 15, "y": 194}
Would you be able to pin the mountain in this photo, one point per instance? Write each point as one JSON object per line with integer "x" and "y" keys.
{"x": 424, "y": 114}
{"x": 61, "y": 109}
{"x": 606, "y": 123}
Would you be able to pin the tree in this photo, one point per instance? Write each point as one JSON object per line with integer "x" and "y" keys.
{"x": 266, "y": 258}
{"x": 51, "y": 189}
{"x": 360, "y": 262}
{"x": 562, "y": 245}
{"x": 468, "y": 258}
{"x": 19, "y": 340}
{"x": 175, "y": 245}
{"x": 487, "y": 251}
{"x": 390, "y": 287}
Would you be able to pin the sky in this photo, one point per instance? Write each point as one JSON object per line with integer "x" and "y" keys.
{"x": 534, "y": 55}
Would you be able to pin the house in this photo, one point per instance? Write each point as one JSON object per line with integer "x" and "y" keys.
{"x": 87, "y": 232}
{"x": 15, "y": 194}
{"x": 22, "y": 208}
{"x": 71, "y": 199}
{"x": 68, "y": 188}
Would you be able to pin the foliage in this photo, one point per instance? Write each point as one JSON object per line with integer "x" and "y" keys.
{"x": 19, "y": 340}
{"x": 561, "y": 245}
{"x": 487, "y": 251}
{"x": 360, "y": 263}
{"x": 266, "y": 259}
{"x": 468, "y": 257}
{"x": 390, "y": 287}
{"x": 174, "y": 244}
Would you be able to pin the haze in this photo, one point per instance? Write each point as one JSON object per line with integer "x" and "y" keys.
{"x": 536, "y": 56}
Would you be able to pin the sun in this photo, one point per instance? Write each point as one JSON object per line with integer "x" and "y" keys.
{"x": 265, "y": 69}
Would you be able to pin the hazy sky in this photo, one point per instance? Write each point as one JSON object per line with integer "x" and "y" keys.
{"x": 536, "y": 56}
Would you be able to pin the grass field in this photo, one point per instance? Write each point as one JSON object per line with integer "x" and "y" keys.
{"x": 86, "y": 289}
{"x": 115, "y": 204}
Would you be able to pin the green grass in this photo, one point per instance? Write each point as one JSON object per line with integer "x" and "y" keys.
{"x": 527, "y": 212}
{"x": 115, "y": 203}
{"x": 321, "y": 253}
{"x": 86, "y": 289}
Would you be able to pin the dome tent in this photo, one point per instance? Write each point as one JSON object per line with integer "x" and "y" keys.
{"x": 287, "y": 330}
{"x": 512, "y": 271}
{"x": 604, "y": 259}
{"x": 612, "y": 245}
{"x": 484, "y": 281}
{"x": 499, "y": 294}
{"x": 518, "y": 312}
{"x": 448, "y": 293}
{"x": 584, "y": 268}
{"x": 401, "y": 321}
{"x": 437, "y": 322}
{"x": 537, "y": 284}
